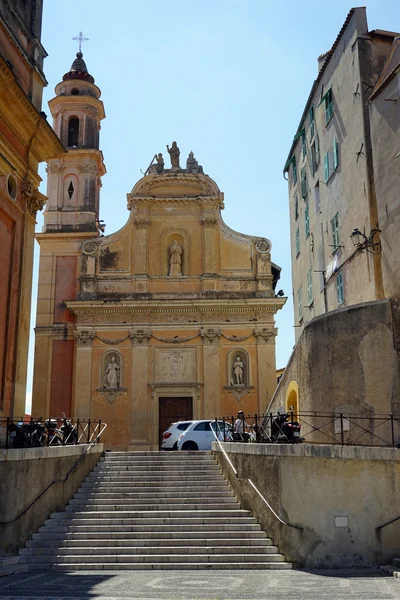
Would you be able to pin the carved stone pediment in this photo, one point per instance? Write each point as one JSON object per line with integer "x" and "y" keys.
{"x": 158, "y": 185}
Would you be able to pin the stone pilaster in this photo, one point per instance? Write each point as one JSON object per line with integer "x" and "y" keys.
{"x": 140, "y": 266}
{"x": 211, "y": 372}
{"x": 84, "y": 337}
{"x": 266, "y": 366}
{"x": 140, "y": 427}
{"x": 209, "y": 223}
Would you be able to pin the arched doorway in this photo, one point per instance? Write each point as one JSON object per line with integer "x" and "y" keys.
{"x": 292, "y": 397}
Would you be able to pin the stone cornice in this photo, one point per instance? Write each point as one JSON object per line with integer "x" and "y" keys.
{"x": 85, "y": 103}
{"x": 178, "y": 306}
{"x": 44, "y": 142}
{"x": 151, "y": 203}
{"x": 74, "y": 158}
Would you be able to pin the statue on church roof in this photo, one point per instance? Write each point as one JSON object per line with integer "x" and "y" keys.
{"x": 192, "y": 165}
{"x": 174, "y": 153}
{"x": 160, "y": 163}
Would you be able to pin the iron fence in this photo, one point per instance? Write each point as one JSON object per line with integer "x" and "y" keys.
{"x": 53, "y": 431}
{"x": 344, "y": 429}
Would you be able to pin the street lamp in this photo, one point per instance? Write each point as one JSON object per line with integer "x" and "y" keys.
{"x": 363, "y": 242}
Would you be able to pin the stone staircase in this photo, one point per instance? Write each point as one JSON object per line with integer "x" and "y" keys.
{"x": 393, "y": 569}
{"x": 153, "y": 510}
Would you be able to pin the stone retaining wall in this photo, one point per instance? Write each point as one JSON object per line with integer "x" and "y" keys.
{"x": 339, "y": 495}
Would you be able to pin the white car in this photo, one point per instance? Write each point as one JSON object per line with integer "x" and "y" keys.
{"x": 200, "y": 435}
{"x": 171, "y": 435}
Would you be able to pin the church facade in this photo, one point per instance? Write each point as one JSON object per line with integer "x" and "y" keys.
{"x": 169, "y": 318}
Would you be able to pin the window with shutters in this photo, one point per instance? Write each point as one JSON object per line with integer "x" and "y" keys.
{"x": 312, "y": 122}
{"x": 340, "y": 288}
{"x": 335, "y": 231}
{"x": 328, "y": 99}
{"x": 331, "y": 160}
{"x": 294, "y": 171}
{"x": 299, "y": 304}
{"x": 297, "y": 241}
{"x": 303, "y": 145}
{"x": 303, "y": 182}
{"x": 296, "y": 206}
{"x": 307, "y": 220}
{"x": 314, "y": 155}
{"x": 309, "y": 287}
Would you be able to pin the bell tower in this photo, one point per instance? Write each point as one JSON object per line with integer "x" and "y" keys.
{"x": 73, "y": 182}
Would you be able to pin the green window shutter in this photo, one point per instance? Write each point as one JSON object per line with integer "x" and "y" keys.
{"x": 296, "y": 207}
{"x": 307, "y": 219}
{"x": 303, "y": 179}
{"x": 335, "y": 231}
{"x": 299, "y": 304}
{"x": 328, "y": 106}
{"x": 312, "y": 122}
{"x": 326, "y": 167}
{"x": 335, "y": 154}
{"x": 316, "y": 151}
{"x": 340, "y": 288}
{"x": 304, "y": 145}
{"x": 297, "y": 241}
{"x": 309, "y": 287}
{"x": 294, "y": 171}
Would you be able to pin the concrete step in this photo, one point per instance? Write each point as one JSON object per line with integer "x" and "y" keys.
{"x": 222, "y": 513}
{"x": 221, "y": 492}
{"x": 187, "y": 540}
{"x": 156, "y": 504}
{"x": 391, "y": 570}
{"x": 159, "y": 479}
{"x": 203, "y": 526}
{"x": 149, "y": 510}
{"x": 133, "y": 551}
{"x": 181, "y": 455}
{"x": 229, "y": 565}
{"x": 121, "y": 487}
{"x": 152, "y": 558}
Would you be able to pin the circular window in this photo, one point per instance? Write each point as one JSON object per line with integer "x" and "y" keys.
{"x": 12, "y": 187}
{"x": 74, "y": 91}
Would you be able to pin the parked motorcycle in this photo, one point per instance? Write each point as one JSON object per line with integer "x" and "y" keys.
{"x": 285, "y": 429}
{"x": 26, "y": 434}
{"x": 69, "y": 433}
{"x": 54, "y": 434}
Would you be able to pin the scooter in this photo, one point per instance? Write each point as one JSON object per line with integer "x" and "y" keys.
{"x": 69, "y": 433}
{"x": 285, "y": 429}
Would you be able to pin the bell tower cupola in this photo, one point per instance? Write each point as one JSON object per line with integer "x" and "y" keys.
{"x": 73, "y": 182}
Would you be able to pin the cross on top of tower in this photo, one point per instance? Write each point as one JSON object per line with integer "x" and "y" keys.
{"x": 80, "y": 38}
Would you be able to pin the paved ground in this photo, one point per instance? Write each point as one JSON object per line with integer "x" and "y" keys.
{"x": 200, "y": 585}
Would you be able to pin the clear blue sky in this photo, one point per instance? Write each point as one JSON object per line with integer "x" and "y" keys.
{"x": 226, "y": 79}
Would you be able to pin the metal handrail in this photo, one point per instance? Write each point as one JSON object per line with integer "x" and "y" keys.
{"x": 252, "y": 484}
{"x": 387, "y": 523}
{"x": 56, "y": 480}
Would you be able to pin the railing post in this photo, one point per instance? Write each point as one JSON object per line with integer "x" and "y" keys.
{"x": 223, "y": 425}
{"x": 256, "y": 427}
{"x": 270, "y": 425}
{"x": 7, "y": 432}
{"x": 98, "y": 434}
{"x": 88, "y": 432}
{"x": 392, "y": 426}
{"x": 341, "y": 429}
{"x": 233, "y": 428}
{"x": 77, "y": 432}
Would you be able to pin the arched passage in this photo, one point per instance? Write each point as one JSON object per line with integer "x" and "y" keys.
{"x": 292, "y": 397}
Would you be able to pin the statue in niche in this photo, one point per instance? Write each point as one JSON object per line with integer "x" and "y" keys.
{"x": 111, "y": 374}
{"x": 175, "y": 261}
{"x": 238, "y": 371}
{"x": 174, "y": 153}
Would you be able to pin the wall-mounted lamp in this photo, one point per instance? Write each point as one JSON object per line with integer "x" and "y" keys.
{"x": 363, "y": 242}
